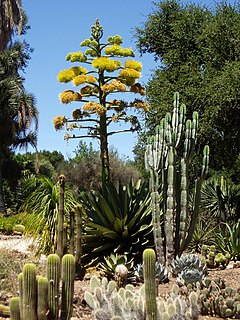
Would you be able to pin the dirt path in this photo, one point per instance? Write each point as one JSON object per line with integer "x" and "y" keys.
{"x": 17, "y": 243}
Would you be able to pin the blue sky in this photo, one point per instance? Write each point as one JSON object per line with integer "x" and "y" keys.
{"x": 57, "y": 28}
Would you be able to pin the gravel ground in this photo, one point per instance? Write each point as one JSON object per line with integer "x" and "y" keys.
{"x": 17, "y": 243}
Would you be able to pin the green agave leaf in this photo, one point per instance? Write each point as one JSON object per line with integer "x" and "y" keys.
{"x": 106, "y": 210}
{"x": 119, "y": 225}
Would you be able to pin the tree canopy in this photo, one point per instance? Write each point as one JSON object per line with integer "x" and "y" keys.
{"x": 198, "y": 50}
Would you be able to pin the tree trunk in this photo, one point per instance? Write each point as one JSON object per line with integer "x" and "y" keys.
{"x": 104, "y": 150}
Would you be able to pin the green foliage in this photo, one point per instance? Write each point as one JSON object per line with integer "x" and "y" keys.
{"x": 117, "y": 221}
{"x": 228, "y": 240}
{"x": 7, "y": 224}
{"x": 42, "y": 207}
{"x": 202, "y": 63}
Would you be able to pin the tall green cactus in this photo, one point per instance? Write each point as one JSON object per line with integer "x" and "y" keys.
{"x": 149, "y": 265}
{"x": 60, "y": 224}
{"x": 14, "y": 308}
{"x": 29, "y": 295}
{"x": 68, "y": 276}
{"x": 167, "y": 159}
{"x": 42, "y": 301}
{"x": 53, "y": 276}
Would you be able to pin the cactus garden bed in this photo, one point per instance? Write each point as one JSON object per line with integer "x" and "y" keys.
{"x": 11, "y": 260}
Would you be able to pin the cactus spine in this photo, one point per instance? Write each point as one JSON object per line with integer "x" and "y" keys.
{"x": 149, "y": 263}
{"x": 53, "y": 276}
{"x": 68, "y": 276}
{"x": 29, "y": 291}
{"x": 167, "y": 159}
{"x": 14, "y": 308}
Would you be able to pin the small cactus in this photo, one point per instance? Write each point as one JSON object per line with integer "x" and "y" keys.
{"x": 14, "y": 308}
{"x": 68, "y": 276}
{"x": 29, "y": 294}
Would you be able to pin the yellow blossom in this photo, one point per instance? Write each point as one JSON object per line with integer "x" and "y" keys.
{"x": 69, "y": 96}
{"x": 68, "y": 74}
{"x": 137, "y": 88}
{"x": 128, "y": 76}
{"x": 91, "y": 79}
{"x": 104, "y": 63}
{"x": 114, "y": 85}
{"x": 76, "y": 57}
{"x": 132, "y": 64}
{"x": 59, "y": 122}
{"x": 96, "y": 107}
{"x": 77, "y": 114}
{"x": 82, "y": 78}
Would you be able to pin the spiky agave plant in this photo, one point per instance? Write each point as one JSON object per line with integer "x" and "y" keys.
{"x": 117, "y": 221}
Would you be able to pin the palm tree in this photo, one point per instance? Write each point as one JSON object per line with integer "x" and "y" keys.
{"x": 18, "y": 113}
{"x": 11, "y": 17}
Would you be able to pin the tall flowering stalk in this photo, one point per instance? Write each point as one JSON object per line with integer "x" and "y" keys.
{"x": 95, "y": 88}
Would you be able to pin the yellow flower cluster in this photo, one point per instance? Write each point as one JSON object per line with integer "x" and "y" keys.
{"x": 96, "y": 107}
{"x": 114, "y": 85}
{"x": 137, "y": 88}
{"x": 117, "y": 50}
{"x": 139, "y": 104}
{"x": 59, "y": 122}
{"x": 77, "y": 114}
{"x": 117, "y": 39}
{"x": 76, "y": 57}
{"x": 129, "y": 76}
{"x": 104, "y": 63}
{"x": 68, "y": 74}
{"x": 132, "y": 64}
{"x": 82, "y": 78}
{"x": 69, "y": 96}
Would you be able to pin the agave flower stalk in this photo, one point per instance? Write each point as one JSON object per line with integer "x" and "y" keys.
{"x": 107, "y": 77}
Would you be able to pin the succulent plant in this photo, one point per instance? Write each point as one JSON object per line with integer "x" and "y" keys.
{"x": 161, "y": 273}
{"x": 108, "y": 266}
{"x": 187, "y": 262}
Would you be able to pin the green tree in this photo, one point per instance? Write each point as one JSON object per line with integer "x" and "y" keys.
{"x": 106, "y": 78}
{"x": 199, "y": 54}
{"x": 19, "y": 116}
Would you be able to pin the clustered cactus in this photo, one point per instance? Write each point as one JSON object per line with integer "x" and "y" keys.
{"x": 167, "y": 159}
{"x": 140, "y": 303}
{"x": 214, "y": 259}
{"x": 39, "y": 297}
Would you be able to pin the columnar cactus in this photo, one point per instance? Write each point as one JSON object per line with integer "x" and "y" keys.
{"x": 14, "y": 308}
{"x": 29, "y": 294}
{"x": 42, "y": 301}
{"x": 60, "y": 233}
{"x": 167, "y": 159}
{"x": 149, "y": 263}
{"x": 68, "y": 276}
{"x": 53, "y": 276}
